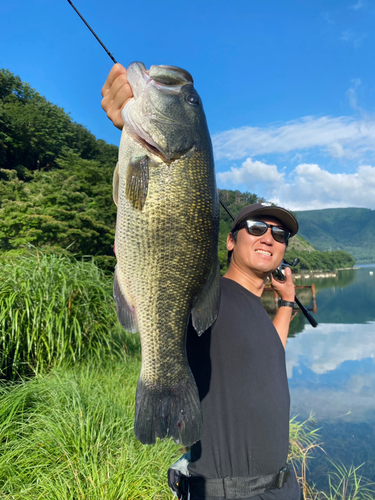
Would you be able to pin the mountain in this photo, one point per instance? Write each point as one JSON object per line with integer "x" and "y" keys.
{"x": 348, "y": 229}
{"x": 309, "y": 257}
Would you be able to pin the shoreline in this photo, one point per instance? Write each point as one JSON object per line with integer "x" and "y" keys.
{"x": 321, "y": 273}
{"x": 315, "y": 274}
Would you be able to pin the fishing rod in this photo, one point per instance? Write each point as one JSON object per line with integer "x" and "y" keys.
{"x": 93, "y": 32}
{"x": 303, "y": 309}
{"x": 114, "y": 60}
{"x": 280, "y": 276}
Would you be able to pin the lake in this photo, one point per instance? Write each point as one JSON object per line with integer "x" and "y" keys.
{"x": 331, "y": 370}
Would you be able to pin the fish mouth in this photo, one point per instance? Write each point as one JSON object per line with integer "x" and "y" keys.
{"x": 138, "y": 78}
{"x": 155, "y": 149}
{"x": 140, "y": 135}
{"x": 167, "y": 79}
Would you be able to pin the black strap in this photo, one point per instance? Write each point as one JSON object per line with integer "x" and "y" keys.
{"x": 285, "y": 303}
{"x": 236, "y": 487}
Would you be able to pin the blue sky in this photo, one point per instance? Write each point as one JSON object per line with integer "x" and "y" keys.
{"x": 288, "y": 86}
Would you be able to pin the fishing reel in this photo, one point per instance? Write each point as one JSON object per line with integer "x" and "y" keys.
{"x": 279, "y": 273}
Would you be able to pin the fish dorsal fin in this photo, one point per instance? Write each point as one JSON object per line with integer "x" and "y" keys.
{"x": 137, "y": 181}
{"x": 115, "y": 184}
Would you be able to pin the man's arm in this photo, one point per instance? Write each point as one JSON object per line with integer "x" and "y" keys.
{"x": 116, "y": 92}
{"x": 286, "y": 291}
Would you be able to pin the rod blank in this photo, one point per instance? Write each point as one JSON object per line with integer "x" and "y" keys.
{"x": 93, "y": 32}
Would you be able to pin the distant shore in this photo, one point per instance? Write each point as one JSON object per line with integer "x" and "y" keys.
{"x": 315, "y": 274}
{"x": 320, "y": 273}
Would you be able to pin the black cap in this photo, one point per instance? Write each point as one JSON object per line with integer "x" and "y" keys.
{"x": 257, "y": 209}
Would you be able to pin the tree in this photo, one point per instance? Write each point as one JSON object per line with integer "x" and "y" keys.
{"x": 67, "y": 208}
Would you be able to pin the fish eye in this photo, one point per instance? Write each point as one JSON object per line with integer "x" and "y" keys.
{"x": 193, "y": 99}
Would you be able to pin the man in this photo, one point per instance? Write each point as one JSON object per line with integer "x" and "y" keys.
{"x": 239, "y": 362}
{"x": 239, "y": 367}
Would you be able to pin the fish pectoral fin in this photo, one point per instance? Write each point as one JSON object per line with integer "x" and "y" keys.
{"x": 125, "y": 312}
{"x": 205, "y": 309}
{"x": 115, "y": 184}
{"x": 137, "y": 181}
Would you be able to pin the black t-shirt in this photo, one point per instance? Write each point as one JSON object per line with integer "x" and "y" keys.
{"x": 239, "y": 367}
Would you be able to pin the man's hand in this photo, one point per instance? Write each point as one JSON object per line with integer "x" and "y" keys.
{"x": 285, "y": 289}
{"x": 116, "y": 92}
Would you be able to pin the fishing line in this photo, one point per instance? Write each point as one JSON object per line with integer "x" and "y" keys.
{"x": 95, "y": 35}
{"x": 114, "y": 60}
{"x": 303, "y": 309}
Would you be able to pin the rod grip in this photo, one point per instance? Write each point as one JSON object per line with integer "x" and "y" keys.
{"x": 308, "y": 316}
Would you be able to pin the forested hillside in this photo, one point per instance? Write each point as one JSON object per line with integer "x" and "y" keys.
{"x": 56, "y": 185}
{"x": 348, "y": 229}
{"x": 55, "y": 178}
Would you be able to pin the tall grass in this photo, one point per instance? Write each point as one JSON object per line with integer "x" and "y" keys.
{"x": 347, "y": 484}
{"x": 343, "y": 483}
{"x": 51, "y": 309}
{"x": 69, "y": 435}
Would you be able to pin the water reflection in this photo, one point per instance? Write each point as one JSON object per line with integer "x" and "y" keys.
{"x": 331, "y": 369}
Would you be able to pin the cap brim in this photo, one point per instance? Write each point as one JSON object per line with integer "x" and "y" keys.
{"x": 285, "y": 217}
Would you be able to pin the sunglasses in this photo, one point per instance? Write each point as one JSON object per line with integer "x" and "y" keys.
{"x": 258, "y": 228}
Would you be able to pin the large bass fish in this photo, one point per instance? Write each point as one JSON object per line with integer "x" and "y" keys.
{"x": 166, "y": 244}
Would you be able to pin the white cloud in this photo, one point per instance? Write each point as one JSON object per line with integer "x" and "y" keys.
{"x": 253, "y": 171}
{"x": 353, "y": 402}
{"x": 323, "y": 350}
{"x": 352, "y": 95}
{"x": 308, "y": 187}
{"x": 327, "y": 346}
{"x": 338, "y": 137}
{"x": 357, "y": 5}
{"x": 353, "y": 37}
{"x": 327, "y": 18}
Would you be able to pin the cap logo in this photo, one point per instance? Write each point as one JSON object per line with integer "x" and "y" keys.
{"x": 266, "y": 204}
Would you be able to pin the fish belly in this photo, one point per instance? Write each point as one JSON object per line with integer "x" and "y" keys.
{"x": 166, "y": 252}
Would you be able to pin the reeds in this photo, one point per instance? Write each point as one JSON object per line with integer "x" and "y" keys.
{"x": 347, "y": 484}
{"x": 343, "y": 483}
{"x": 52, "y": 309}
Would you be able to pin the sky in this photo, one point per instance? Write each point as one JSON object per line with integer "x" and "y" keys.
{"x": 333, "y": 363}
{"x": 288, "y": 86}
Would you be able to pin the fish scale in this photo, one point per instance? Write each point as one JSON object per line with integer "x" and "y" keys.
{"x": 167, "y": 269}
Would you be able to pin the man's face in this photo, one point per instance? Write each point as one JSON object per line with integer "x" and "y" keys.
{"x": 257, "y": 254}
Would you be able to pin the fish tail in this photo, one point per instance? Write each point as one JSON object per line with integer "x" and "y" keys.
{"x": 172, "y": 412}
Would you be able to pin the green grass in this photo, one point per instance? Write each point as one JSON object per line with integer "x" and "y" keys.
{"x": 347, "y": 484}
{"x": 69, "y": 435}
{"x": 52, "y": 309}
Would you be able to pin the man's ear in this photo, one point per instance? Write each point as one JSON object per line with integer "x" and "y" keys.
{"x": 230, "y": 242}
